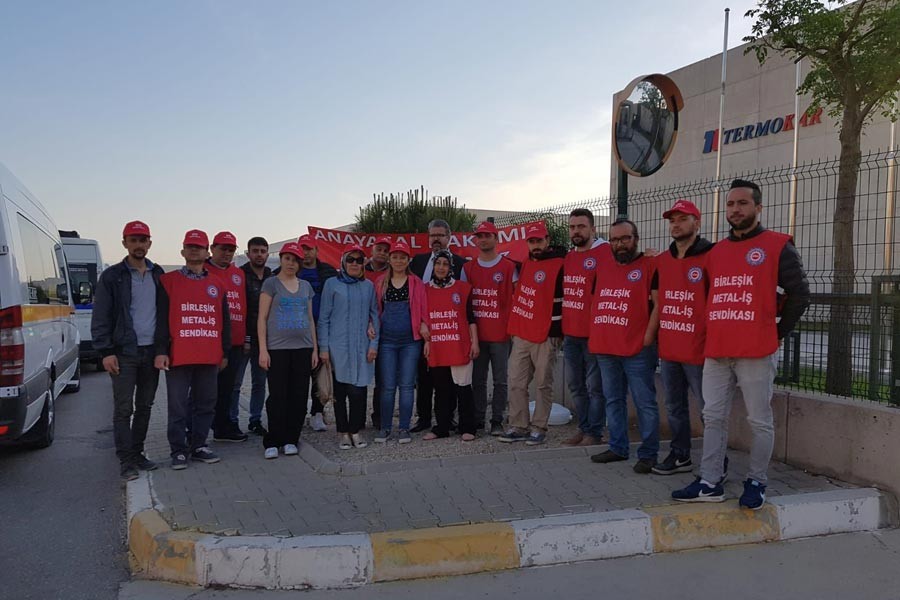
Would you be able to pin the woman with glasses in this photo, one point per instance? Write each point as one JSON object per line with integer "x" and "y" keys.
{"x": 452, "y": 347}
{"x": 403, "y": 310}
{"x": 348, "y": 310}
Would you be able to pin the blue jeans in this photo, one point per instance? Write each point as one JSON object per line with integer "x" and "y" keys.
{"x": 585, "y": 386}
{"x": 257, "y": 389}
{"x": 398, "y": 366}
{"x": 637, "y": 373}
{"x": 677, "y": 378}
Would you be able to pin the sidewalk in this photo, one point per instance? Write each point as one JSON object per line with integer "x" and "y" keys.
{"x": 246, "y": 495}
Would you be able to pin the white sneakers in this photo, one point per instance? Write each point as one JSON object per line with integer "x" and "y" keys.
{"x": 358, "y": 441}
{"x": 290, "y": 450}
{"x": 271, "y": 453}
{"x": 318, "y": 423}
{"x": 345, "y": 443}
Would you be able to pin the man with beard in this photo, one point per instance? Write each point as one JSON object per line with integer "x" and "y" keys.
{"x": 123, "y": 325}
{"x": 623, "y": 335}
{"x": 421, "y": 266}
{"x": 582, "y": 372}
{"x": 679, "y": 288}
{"x": 743, "y": 335}
{"x": 535, "y": 325}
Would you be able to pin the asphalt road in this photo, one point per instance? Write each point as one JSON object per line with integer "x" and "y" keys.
{"x": 62, "y": 509}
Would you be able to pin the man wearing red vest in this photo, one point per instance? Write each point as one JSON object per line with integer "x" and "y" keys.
{"x": 219, "y": 265}
{"x": 743, "y": 335}
{"x": 623, "y": 334}
{"x": 193, "y": 335}
{"x": 679, "y": 289}
{"x": 582, "y": 372}
{"x": 535, "y": 324}
{"x": 492, "y": 277}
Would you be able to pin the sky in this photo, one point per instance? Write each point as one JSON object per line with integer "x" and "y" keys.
{"x": 264, "y": 117}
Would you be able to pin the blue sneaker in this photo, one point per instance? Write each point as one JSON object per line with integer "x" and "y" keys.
{"x": 699, "y": 492}
{"x": 513, "y": 436}
{"x": 754, "y": 495}
{"x": 536, "y": 438}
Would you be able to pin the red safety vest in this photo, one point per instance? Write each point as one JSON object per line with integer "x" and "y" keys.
{"x": 742, "y": 303}
{"x": 579, "y": 272}
{"x": 492, "y": 289}
{"x": 195, "y": 319}
{"x": 232, "y": 280}
{"x": 682, "y": 307}
{"x": 532, "y": 305}
{"x": 620, "y": 310}
{"x": 450, "y": 341}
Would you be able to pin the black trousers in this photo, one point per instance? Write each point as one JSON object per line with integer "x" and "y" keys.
{"x": 447, "y": 398}
{"x": 355, "y": 396}
{"x": 288, "y": 377}
{"x": 376, "y": 400}
{"x": 424, "y": 392}
{"x": 134, "y": 390}
{"x": 315, "y": 405}
{"x": 222, "y": 422}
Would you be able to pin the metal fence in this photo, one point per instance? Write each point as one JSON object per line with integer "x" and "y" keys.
{"x": 799, "y": 201}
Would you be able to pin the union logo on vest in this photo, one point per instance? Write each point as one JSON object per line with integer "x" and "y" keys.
{"x": 540, "y": 276}
{"x": 590, "y": 263}
{"x": 212, "y": 291}
{"x": 756, "y": 256}
{"x": 695, "y": 274}
{"x": 455, "y": 298}
{"x": 635, "y": 275}
{"x": 236, "y": 279}
{"x": 498, "y": 277}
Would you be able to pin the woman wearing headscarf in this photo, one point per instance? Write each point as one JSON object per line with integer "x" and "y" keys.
{"x": 403, "y": 309}
{"x": 452, "y": 346}
{"x": 348, "y": 310}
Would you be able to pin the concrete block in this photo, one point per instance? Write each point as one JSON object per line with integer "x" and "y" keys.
{"x": 685, "y": 526}
{"x": 592, "y": 536}
{"x": 245, "y": 561}
{"x": 138, "y": 496}
{"x": 838, "y": 511}
{"x": 325, "y": 561}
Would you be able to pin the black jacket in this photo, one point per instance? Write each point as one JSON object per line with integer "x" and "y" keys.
{"x": 791, "y": 278}
{"x": 111, "y": 327}
{"x": 253, "y": 286}
{"x": 420, "y": 261}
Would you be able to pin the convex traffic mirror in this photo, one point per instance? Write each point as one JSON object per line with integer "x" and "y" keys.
{"x": 646, "y": 124}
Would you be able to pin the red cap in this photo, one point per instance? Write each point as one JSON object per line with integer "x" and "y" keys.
{"x": 195, "y": 237}
{"x": 307, "y": 241}
{"x": 354, "y": 248}
{"x": 536, "y": 231}
{"x": 135, "y": 228}
{"x": 682, "y": 206}
{"x": 486, "y": 227}
{"x": 383, "y": 240}
{"x": 401, "y": 247}
{"x": 292, "y": 248}
{"x": 225, "y": 238}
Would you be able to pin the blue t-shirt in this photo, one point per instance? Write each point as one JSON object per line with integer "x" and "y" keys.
{"x": 311, "y": 276}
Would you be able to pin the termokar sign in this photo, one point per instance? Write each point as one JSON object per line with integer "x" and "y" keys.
{"x": 758, "y": 130}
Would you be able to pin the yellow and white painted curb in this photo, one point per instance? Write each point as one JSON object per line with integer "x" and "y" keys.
{"x": 349, "y": 560}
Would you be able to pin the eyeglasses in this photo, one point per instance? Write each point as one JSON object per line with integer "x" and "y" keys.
{"x": 625, "y": 239}
{"x": 351, "y": 260}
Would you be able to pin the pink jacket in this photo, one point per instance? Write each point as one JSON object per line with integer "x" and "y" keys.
{"x": 418, "y": 302}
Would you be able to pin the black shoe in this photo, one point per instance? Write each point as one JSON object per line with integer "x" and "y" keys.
{"x": 608, "y": 456}
{"x": 204, "y": 454}
{"x": 420, "y": 426}
{"x": 257, "y": 428}
{"x": 128, "y": 472}
{"x": 231, "y": 435}
{"x": 179, "y": 461}
{"x": 673, "y": 464}
{"x": 644, "y": 465}
{"x": 144, "y": 464}
{"x": 496, "y": 429}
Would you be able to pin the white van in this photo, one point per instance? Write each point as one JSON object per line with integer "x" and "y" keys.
{"x": 38, "y": 337}
{"x": 85, "y": 266}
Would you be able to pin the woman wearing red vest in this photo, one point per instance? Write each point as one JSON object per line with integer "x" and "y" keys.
{"x": 288, "y": 350}
{"x": 453, "y": 345}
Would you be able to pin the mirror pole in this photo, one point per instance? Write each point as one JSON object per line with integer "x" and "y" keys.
{"x": 622, "y": 195}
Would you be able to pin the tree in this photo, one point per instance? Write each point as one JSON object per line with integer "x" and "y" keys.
{"x": 411, "y": 213}
{"x": 854, "y": 57}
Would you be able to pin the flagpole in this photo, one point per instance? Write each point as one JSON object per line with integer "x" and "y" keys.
{"x": 715, "y": 229}
{"x": 792, "y": 207}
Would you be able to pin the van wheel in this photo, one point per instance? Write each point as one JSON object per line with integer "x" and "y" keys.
{"x": 73, "y": 386}
{"x": 41, "y": 435}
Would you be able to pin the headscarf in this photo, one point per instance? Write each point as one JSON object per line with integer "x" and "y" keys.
{"x": 344, "y": 276}
{"x": 448, "y": 280}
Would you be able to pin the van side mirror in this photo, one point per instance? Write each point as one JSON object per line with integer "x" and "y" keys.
{"x": 85, "y": 293}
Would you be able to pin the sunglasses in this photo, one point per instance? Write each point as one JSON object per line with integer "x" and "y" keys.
{"x": 357, "y": 260}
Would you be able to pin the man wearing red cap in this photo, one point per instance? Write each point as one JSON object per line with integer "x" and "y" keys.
{"x": 535, "y": 324}
{"x": 493, "y": 278}
{"x": 219, "y": 265}
{"x": 193, "y": 337}
{"x": 679, "y": 289}
{"x": 123, "y": 325}
{"x": 316, "y": 273}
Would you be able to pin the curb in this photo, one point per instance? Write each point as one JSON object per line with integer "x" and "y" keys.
{"x": 352, "y": 560}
